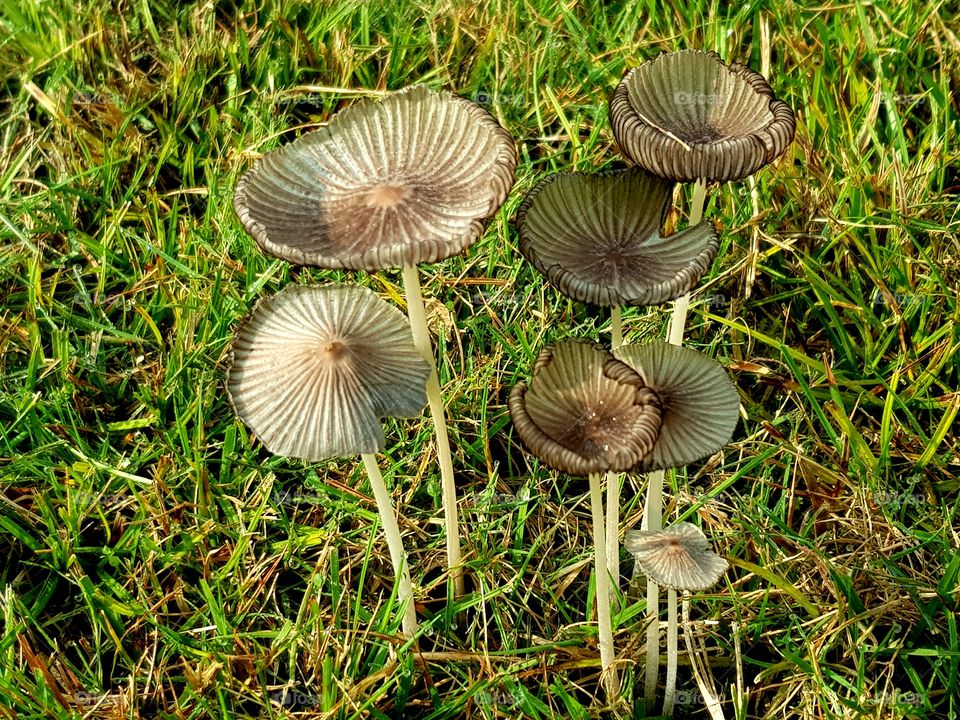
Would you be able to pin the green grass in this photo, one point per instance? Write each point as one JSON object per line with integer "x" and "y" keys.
{"x": 159, "y": 563}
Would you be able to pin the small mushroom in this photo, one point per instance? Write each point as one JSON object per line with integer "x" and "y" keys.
{"x": 386, "y": 184}
{"x": 312, "y": 371}
{"x": 700, "y": 403}
{"x": 586, "y": 413}
{"x": 597, "y": 238}
{"x": 689, "y": 116}
{"x": 680, "y": 558}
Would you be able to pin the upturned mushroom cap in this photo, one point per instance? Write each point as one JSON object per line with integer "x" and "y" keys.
{"x": 584, "y": 411}
{"x": 405, "y": 180}
{"x": 678, "y": 557}
{"x": 597, "y": 238}
{"x": 313, "y": 370}
{"x": 688, "y": 115}
{"x": 700, "y": 403}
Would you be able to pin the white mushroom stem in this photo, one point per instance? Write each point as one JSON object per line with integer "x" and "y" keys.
{"x": 421, "y": 339}
{"x": 671, "y": 688}
{"x": 604, "y": 626}
{"x": 654, "y": 510}
{"x": 681, "y": 305}
{"x": 652, "y": 520}
{"x": 392, "y": 531}
{"x": 616, "y": 327}
{"x": 613, "y": 528}
{"x": 613, "y": 479}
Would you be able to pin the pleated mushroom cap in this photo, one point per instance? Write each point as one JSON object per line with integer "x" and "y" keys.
{"x": 688, "y": 115}
{"x": 584, "y": 411}
{"x": 597, "y": 238}
{"x": 678, "y": 557}
{"x": 314, "y": 369}
{"x": 700, "y": 404}
{"x": 405, "y": 180}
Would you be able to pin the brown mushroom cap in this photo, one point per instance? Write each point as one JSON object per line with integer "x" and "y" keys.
{"x": 700, "y": 403}
{"x": 405, "y": 180}
{"x": 687, "y": 115}
{"x": 584, "y": 411}
{"x": 597, "y": 238}
{"x": 313, "y": 370}
{"x": 678, "y": 557}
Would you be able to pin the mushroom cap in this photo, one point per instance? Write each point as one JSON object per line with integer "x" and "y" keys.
{"x": 687, "y": 115}
{"x": 678, "y": 557}
{"x": 597, "y": 238}
{"x": 700, "y": 403}
{"x": 405, "y": 180}
{"x": 584, "y": 411}
{"x": 314, "y": 368}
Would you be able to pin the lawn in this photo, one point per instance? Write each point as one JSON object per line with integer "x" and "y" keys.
{"x": 160, "y": 563}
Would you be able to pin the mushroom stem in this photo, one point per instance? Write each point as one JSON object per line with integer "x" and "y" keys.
{"x": 654, "y": 510}
{"x": 652, "y": 520}
{"x": 394, "y": 543}
{"x": 604, "y": 626}
{"x": 421, "y": 339}
{"x": 671, "y": 687}
{"x": 613, "y": 528}
{"x": 616, "y": 327}
{"x": 681, "y": 305}
{"x": 613, "y": 479}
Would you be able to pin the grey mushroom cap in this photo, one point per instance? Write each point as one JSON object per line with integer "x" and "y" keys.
{"x": 408, "y": 179}
{"x": 700, "y": 403}
{"x": 584, "y": 411}
{"x": 314, "y": 368}
{"x": 688, "y": 115}
{"x": 597, "y": 238}
{"x": 678, "y": 557}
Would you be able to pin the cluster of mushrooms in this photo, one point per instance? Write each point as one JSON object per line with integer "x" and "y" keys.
{"x": 412, "y": 179}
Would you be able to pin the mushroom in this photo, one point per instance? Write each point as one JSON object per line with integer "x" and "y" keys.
{"x": 700, "y": 409}
{"x": 597, "y": 240}
{"x": 587, "y": 413}
{"x": 688, "y": 116}
{"x": 700, "y": 403}
{"x": 312, "y": 371}
{"x": 680, "y": 558}
{"x": 410, "y": 179}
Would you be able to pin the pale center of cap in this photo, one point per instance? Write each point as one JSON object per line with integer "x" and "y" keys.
{"x": 386, "y": 196}
{"x": 333, "y": 350}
